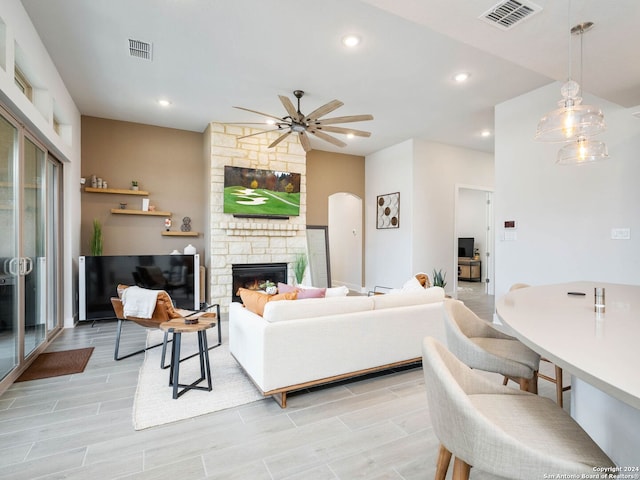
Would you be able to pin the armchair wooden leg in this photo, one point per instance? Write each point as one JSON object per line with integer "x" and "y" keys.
{"x": 559, "y": 388}
{"x": 444, "y": 458}
{"x": 461, "y": 470}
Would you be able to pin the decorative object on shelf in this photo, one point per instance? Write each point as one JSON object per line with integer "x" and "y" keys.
{"x": 94, "y": 181}
{"x": 104, "y": 184}
{"x": 175, "y": 252}
{"x": 299, "y": 267}
{"x": 167, "y": 224}
{"x": 186, "y": 224}
{"x": 123, "y": 205}
{"x": 388, "y": 210}
{"x": 152, "y": 208}
{"x": 99, "y": 183}
{"x": 439, "y": 278}
{"x": 145, "y": 204}
{"x": 134, "y": 185}
{"x": 189, "y": 250}
{"x": 96, "y": 239}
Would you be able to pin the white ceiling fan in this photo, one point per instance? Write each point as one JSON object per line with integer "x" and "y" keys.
{"x": 297, "y": 122}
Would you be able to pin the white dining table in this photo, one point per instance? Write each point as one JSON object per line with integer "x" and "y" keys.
{"x": 599, "y": 350}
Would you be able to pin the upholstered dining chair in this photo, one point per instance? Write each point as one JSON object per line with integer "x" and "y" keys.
{"x": 163, "y": 312}
{"x": 557, "y": 380}
{"x": 500, "y": 430}
{"x": 480, "y": 345}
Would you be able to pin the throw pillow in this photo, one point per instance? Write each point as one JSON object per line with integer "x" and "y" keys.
{"x": 255, "y": 301}
{"x": 302, "y": 291}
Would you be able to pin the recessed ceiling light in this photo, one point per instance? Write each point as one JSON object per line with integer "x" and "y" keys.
{"x": 351, "y": 41}
{"x": 350, "y": 135}
{"x": 164, "y": 103}
{"x": 270, "y": 121}
{"x": 461, "y": 77}
{"x": 486, "y": 133}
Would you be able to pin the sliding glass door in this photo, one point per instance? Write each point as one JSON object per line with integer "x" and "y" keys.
{"x": 30, "y": 193}
{"x": 9, "y": 306}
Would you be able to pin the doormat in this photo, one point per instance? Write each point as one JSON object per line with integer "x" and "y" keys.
{"x": 55, "y": 364}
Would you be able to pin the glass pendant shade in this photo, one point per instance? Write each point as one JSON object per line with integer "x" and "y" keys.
{"x": 572, "y": 120}
{"x": 582, "y": 151}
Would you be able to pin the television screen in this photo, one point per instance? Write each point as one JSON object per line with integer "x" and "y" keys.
{"x": 261, "y": 193}
{"x": 99, "y": 276}
{"x": 465, "y": 247}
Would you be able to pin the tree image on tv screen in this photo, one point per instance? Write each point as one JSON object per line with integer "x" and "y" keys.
{"x": 249, "y": 191}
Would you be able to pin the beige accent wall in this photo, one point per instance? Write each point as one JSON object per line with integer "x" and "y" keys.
{"x": 166, "y": 162}
{"x": 329, "y": 173}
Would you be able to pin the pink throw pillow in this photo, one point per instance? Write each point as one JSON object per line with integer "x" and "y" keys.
{"x": 302, "y": 292}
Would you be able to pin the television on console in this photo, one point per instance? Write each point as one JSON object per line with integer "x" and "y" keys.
{"x": 465, "y": 246}
{"x": 251, "y": 192}
{"x": 99, "y": 276}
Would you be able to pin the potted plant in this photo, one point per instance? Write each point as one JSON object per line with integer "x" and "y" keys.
{"x": 439, "y": 278}
{"x": 269, "y": 287}
{"x": 134, "y": 185}
{"x": 299, "y": 267}
{"x": 96, "y": 238}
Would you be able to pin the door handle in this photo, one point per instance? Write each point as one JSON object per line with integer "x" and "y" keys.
{"x": 13, "y": 267}
{"x": 28, "y": 262}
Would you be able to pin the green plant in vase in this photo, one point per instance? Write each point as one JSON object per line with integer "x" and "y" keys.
{"x": 439, "y": 278}
{"x": 299, "y": 267}
{"x": 96, "y": 238}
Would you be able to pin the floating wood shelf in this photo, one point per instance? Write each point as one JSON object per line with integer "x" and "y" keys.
{"x": 116, "y": 191}
{"x": 180, "y": 234}
{"x": 126, "y": 211}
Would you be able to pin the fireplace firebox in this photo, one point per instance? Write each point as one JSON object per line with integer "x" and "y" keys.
{"x": 252, "y": 275}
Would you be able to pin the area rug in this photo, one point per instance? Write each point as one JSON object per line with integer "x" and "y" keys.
{"x": 56, "y": 364}
{"x": 154, "y": 404}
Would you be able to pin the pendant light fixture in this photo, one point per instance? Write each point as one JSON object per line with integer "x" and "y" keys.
{"x": 574, "y": 122}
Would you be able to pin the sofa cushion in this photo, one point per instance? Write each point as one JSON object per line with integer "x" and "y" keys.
{"x": 302, "y": 292}
{"x": 256, "y": 301}
{"x": 429, "y": 295}
{"x": 311, "y": 307}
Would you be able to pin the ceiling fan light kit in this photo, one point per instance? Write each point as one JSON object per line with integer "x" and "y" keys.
{"x": 574, "y": 122}
{"x": 297, "y": 122}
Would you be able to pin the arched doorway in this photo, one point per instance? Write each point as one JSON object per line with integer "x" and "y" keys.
{"x": 345, "y": 240}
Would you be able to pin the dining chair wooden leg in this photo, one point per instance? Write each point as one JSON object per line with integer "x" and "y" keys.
{"x": 461, "y": 470}
{"x": 444, "y": 458}
{"x": 559, "y": 387}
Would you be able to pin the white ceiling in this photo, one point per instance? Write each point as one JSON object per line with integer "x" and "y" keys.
{"x": 209, "y": 55}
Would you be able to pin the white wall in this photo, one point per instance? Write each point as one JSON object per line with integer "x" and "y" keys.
{"x": 426, "y": 175}
{"x": 565, "y": 214}
{"x": 388, "y": 252}
{"x": 52, "y": 96}
{"x": 438, "y": 169}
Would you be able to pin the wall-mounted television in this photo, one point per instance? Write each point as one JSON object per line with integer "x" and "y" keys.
{"x": 465, "y": 246}
{"x": 251, "y": 192}
{"x": 99, "y": 276}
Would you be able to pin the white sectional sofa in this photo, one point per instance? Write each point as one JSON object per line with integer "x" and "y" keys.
{"x": 300, "y": 343}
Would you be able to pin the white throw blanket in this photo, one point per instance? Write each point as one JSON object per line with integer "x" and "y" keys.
{"x": 139, "y": 302}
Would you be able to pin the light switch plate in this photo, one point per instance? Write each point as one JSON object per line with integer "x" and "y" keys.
{"x": 620, "y": 234}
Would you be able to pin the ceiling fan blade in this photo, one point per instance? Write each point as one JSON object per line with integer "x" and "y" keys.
{"x": 259, "y": 113}
{"x": 328, "y": 138}
{"x": 279, "y": 139}
{"x": 288, "y": 106}
{"x": 258, "y": 133}
{"x": 304, "y": 140}
{"x": 323, "y": 110}
{"x": 347, "y": 119}
{"x": 345, "y": 131}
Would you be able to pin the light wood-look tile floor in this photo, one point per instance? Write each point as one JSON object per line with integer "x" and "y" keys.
{"x": 79, "y": 427}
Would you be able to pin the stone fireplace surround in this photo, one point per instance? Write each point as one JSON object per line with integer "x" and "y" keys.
{"x": 250, "y": 240}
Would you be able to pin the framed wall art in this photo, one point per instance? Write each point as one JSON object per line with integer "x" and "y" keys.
{"x": 388, "y": 208}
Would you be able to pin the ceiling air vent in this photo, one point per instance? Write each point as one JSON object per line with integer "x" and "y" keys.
{"x": 509, "y": 13}
{"x": 140, "y": 49}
